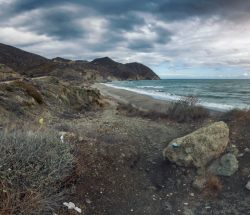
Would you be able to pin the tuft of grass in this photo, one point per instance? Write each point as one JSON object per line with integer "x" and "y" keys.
{"x": 30, "y": 90}
{"x": 213, "y": 186}
{"x": 187, "y": 110}
{"x": 33, "y": 170}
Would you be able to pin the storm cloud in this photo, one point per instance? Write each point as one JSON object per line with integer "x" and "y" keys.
{"x": 171, "y": 36}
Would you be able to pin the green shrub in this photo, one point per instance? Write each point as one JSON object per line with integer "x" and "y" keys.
{"x": 186, "y": 110}
{"x": 33, "y": 168}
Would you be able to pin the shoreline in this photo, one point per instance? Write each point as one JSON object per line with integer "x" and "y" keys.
{"x": 140, "y": 101}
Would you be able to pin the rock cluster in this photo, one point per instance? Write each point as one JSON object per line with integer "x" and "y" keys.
{"x": 205, "y": 150}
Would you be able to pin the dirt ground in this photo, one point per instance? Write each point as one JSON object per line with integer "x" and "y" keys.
{"x": 121, "y": 169}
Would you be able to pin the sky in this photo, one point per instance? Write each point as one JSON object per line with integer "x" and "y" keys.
{"x": 175, "y": 38}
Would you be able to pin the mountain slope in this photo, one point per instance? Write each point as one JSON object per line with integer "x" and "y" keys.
{"x": 24, "y": 62}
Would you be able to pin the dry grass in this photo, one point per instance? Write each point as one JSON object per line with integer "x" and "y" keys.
{"x": 240, "y": 117}
{"x": 34, "y": 171}
{"x": 129, "y": 110}
{"x": 187, "y": 110}
{"x": 213, "y": 186}
{"x": 30, "y": 90}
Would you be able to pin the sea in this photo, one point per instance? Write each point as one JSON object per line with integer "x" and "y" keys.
{"x": 221, "y": 95}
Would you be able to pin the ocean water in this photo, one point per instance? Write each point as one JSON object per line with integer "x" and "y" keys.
{"x": 216, "y": 94}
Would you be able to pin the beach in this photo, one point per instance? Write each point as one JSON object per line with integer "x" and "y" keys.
{"x": 140, "y": 101}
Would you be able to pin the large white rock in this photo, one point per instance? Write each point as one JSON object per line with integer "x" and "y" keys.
{"x": 200, "y": 147}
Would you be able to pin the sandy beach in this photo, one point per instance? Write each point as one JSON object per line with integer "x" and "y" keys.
{"x": 140, "y": 101}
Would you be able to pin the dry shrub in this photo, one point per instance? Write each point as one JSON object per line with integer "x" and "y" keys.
{"x": 241, "y": 117}
{"x": 187, "y": 110}
{"x": 213, "y": 186}
{"x": 33, "y": 170}
{"x": 30, "y": 90}
{"x": 131, "y": 111}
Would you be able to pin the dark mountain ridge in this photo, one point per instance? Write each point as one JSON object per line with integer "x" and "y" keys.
{"x": 23, "y": 62}
{"x": 100, "y": 69}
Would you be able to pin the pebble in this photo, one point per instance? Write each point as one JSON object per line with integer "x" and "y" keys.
{"x": 88, "y": 201}
{"x": 240, "y": 155}
{"x": 185, "y": 203}
{"x": 191, "y": 194}
{"x": 247, "y": 150}
{"x": 154, "y": 197}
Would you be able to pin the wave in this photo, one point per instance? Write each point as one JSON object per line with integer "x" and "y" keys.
{"x": 152, "y": 93}
{"x": 172, "y": 97}
{"x": 154, "y": 87}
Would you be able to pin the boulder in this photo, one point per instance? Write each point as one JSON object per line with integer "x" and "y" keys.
{"x": 200, "y": 147}
{"x": 227, "y": 165}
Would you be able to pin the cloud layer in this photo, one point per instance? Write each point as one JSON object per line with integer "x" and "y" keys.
{"x": 206, "y": 38}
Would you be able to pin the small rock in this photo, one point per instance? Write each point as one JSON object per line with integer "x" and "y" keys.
{"x": 248, "y": 185}
{"x": 227, "y": 165}
{"x": 88, "y": 201}
{"x": 234, "y": 150}
{"x": 240, "y": 155}
{"x": 199, "y": 183}
{"x": 247, "y": 150}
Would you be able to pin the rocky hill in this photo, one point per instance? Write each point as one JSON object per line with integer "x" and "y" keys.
{"x": 119, "y": 71}
{"x": 101, "y": 69}
{"x": 24, "y": 62}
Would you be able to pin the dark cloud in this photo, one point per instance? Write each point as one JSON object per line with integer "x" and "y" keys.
{"x": 57, "y": 23}
{"x": 182, "y": 9}
{"x": 125, "y": 22}
{"x": 141, "y": 45}
{"x": 121, "y": 14}
{"x": 163, "y": 35}
{"x": 169, "y": 9}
